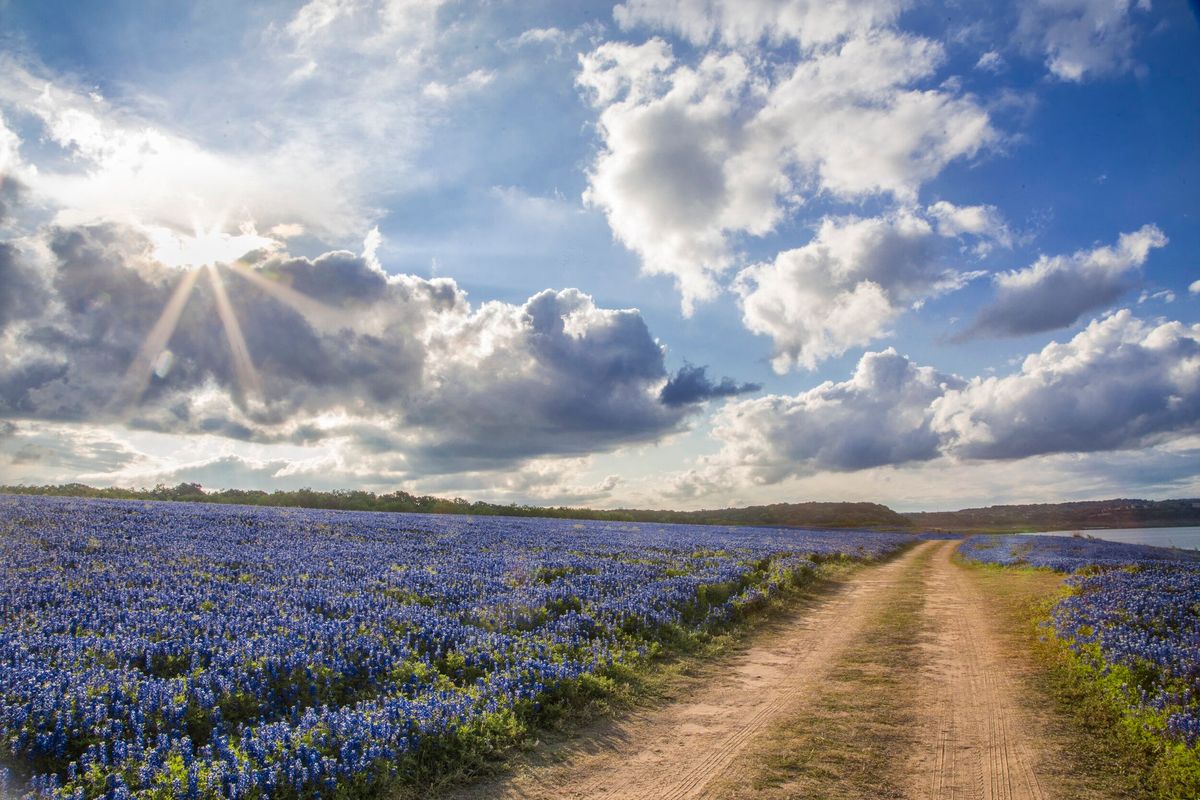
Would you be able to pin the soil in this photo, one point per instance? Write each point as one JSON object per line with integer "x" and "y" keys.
{"x": 969, "y": 725}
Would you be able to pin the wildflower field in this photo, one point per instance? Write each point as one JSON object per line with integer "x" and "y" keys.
{"x": 174, "y": 650}
{"x": 1132, "y": 620}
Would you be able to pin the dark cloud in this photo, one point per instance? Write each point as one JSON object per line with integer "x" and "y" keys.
{"x": 406, "y": 363}
{"x": 691, "y": 384}
{"x": 565, "y": 376}
{"x": 1056, "y": 292}
{"x": 22, "y": 294}
{"x": 1055, "y": 301}
{"x": 12, "y": 192}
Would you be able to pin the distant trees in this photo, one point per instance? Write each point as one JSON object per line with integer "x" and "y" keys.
{"x": 819, "y": 515}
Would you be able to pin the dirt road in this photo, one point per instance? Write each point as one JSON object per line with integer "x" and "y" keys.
{"x": 974, "y": 742}
{"x": 983, "y": 741}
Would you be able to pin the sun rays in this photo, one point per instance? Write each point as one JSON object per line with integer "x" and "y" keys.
{"x": 247, "y": 376}
{"x": 207, "y": 251}
{"x": 137, "y": 377}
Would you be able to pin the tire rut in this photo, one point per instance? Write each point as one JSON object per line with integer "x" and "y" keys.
{"x": 982, "y": 748}
{"x": 677, "y": 751}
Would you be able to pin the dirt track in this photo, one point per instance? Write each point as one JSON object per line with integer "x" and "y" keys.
{"x": 976, "y": 742}
{"x": 984, "y": 742}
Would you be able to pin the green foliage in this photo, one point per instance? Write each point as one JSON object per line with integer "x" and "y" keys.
{"x": 1107, "y": 696}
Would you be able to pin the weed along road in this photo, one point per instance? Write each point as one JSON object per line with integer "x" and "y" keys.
{"x": 896, "y": 683}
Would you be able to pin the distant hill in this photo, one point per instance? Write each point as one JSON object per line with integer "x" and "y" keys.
{"x": 1064, "y": 516}
{"x": 791, "y": 515}
{"x": 1049, "y": 516}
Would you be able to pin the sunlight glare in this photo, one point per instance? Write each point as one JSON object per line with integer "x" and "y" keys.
{"x": 137, "y": 377}
{"x": 312, "y": 310}
{"x": 247, "y": 375}
{"x": 205, "y": 247}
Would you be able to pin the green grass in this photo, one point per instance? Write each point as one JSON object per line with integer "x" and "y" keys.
{"x": 1097, "y": 756}
{"x": 678, "y": 662}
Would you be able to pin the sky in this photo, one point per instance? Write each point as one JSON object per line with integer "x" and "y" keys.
{"x": 658, "y": 253}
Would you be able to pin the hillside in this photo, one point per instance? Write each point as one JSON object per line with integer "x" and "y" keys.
{"x": 1046, "y": 516}
{"x": 1122, "y": 513}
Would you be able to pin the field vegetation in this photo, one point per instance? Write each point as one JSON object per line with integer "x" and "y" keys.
{"x": 167, "y": 650}
{"x": 1126, "y": 637}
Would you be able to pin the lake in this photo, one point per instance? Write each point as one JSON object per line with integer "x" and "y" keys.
{"x": 1187, "y": 537}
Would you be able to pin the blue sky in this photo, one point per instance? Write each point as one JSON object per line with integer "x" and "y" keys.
{"x": 928, "y": 255}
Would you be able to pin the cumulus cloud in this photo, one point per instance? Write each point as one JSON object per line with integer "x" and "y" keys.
{"x": 22, "y": 292}
{"x": 694, "y": 156}
{"x": 879, "y": 416}
{"x": 691, "y": 384}
{"x": 1119, "y": 383}
{"x": 1082, "y": 39}
{"x": 1122, "y": 383}
{"x": 1194, "y": 287}
{"x": 1055, "y": 291}
{"x": 339, "y": 349}
{"x": 845, "y": 287}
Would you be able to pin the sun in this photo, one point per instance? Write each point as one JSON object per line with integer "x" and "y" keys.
{"x": 205, "y": 251}
{"x": 206, "y": 246}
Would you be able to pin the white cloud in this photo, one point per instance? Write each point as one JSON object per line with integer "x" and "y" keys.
{"x": 879, "y": 416}
{"x": 1163, "y": 295}
{"x": 556, "y": 39}
{"x": 1055, "y": 291}
{"x": 471, "y": 82}
{"x": 1082, "y": 39}
{"x": 991, "y": 61}
{"x": 943, "y": 484}
{"x": 1118, "y": 385}
{"x": 746, "y": 22}
{"x": 334, "y": 93}
{"x": 1194, "y": 287}
{"x": 845, "y": 287}
{"x": 337, "y": 349}
{"x": 315, "y": 17}
{"x": 694, "y": 156}
{"x": 10, "y": 146}
{"x": 552, "y": 36}
{"x": 985, "y": 222}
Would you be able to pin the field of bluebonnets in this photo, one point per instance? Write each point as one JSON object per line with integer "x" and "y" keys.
{"x": 170, "y": 650}
{"x": 1132, "y": 618}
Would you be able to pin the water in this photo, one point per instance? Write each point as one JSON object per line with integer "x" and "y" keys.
{"x": 1188, "y": 538}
